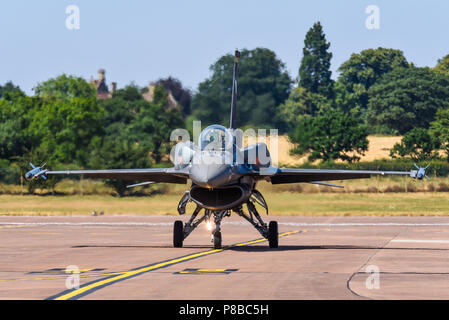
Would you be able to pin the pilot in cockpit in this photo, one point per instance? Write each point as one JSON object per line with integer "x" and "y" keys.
{"x": 215, "y": 138}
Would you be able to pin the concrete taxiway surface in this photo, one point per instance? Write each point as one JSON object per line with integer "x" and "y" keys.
{"x": 131, "y": 257}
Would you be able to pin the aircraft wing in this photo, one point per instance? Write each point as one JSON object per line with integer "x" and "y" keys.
{"x": 168, "y": 175}
{"x": 286, "y": 175}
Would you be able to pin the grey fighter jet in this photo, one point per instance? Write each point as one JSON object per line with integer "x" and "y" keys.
{"x": 223, "y": 178}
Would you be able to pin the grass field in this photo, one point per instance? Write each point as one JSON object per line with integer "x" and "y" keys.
{"x": 281, "y": 203}
{"x": 372, "y": 197}
{"x": 376, "y": 196}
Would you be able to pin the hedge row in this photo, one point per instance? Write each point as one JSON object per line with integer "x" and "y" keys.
{"x": 437, "y": 167}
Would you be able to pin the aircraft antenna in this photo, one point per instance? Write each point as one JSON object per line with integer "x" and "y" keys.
{"x": 232, "y": 123}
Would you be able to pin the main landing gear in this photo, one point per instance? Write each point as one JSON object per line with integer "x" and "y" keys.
{"x": 182, "y": 231}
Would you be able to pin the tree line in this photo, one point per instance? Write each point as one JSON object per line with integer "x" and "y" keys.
{"x": 377, "y": 91}
{"x": 66, "y": 126}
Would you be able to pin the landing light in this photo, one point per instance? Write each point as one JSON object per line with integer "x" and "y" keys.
{"x": 209, "y": 225}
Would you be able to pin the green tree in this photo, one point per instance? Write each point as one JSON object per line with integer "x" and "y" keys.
{"x": 439, "y": 129}
{"x": 154, "y": 123}
{"x": 364, "y": 69}
{"x": 417, "y": 144}
{"x": 345, "y": 100}
{"x": 121, "y": 110}
{"x": 333, "y": 135}
{"x": 111, "y": 153}
{"x": 314, "y": 71}
{"x": 137, "y": 132}
{"x": 301, "y": 103}
{"x": 67, "y": 119}
{"x": 64, "y": 88}
{"x": 263, "y": 85}
{"x": 9, "y": 88}
{"x": 149, "y": 124}
{"x": 15, "y": 118}
{"x": 443, "y": 65}
{"x": 131, "y": 92}
{"x": 182, "y": 95}
{"x": 406, "y": 98}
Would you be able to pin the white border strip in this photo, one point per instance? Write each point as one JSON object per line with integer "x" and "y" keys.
{"x": 420, "y": 241}
{"x": 355, "y": 224}
{"x": 296, "y": 224}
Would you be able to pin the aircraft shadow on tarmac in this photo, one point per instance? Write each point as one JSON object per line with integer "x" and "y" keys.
{"x": 264, "y": 248}
{"x": 148, "y": 247}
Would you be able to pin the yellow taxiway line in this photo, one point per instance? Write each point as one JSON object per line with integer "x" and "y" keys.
{"x": 73, "y": 294}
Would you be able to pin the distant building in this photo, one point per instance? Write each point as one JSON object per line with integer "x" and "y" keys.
{"x": 172, "y": 103}
{"x": 102, "y": 88}
{"x": 103, "y": 91}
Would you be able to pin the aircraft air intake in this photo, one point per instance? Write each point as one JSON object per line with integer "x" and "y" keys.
{"x": 223, "y": 198}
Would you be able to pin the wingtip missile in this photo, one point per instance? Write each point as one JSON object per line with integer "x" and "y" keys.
{"x": 36, "y": 172}
{"x": 420, "y": 173}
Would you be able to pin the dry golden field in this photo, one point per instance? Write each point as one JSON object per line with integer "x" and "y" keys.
{"x": 379, "y": 147}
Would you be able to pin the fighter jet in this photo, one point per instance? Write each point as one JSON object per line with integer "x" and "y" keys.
{"x": 223, "y": 178}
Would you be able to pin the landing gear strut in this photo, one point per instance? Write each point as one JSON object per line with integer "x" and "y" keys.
{"x": 182, "y": 231}
{"x": 216, "y": 233}
{"x": 269, "y": 232}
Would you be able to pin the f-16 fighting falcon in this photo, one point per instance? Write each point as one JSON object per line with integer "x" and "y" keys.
{"x": 223, "y": 178}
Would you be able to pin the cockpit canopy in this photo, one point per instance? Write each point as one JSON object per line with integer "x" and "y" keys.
{"x": 216, "y": 138}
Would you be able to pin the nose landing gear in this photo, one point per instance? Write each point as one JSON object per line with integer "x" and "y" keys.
{"x": 216, "y": 233}
{"x": 216, "y": 238}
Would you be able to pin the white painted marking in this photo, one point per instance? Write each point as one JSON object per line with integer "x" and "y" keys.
{"x": 87, "y": 223}
{"x": 296, "y": 224}
{"x": 420, "y": 241}
{"x": 355, "y": 224}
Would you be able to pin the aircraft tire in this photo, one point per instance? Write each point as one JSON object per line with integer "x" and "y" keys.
{"x": 273, "y": 234}
{"x": 178, "y": 234}
{"x": 217, "y": 240}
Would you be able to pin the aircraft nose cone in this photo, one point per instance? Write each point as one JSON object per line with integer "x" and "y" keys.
{"x": 211, "y": 175}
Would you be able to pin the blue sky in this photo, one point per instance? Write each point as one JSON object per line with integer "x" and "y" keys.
{"x": 137, "y": 40}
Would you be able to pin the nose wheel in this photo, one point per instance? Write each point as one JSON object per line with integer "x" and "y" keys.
{"x": 217, "y": 240}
